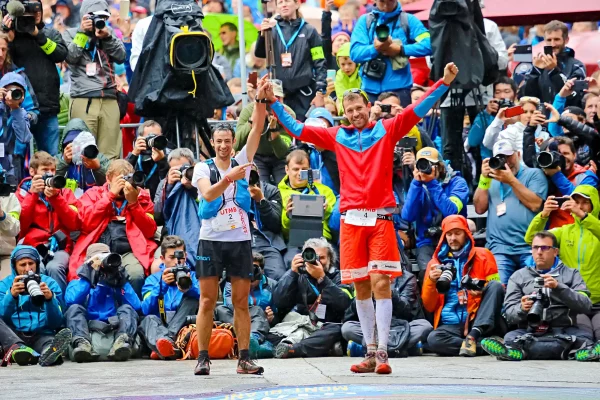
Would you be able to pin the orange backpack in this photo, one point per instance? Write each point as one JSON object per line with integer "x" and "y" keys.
{"x": 222, "y": 342}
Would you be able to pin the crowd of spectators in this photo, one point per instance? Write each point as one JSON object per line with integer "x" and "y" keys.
{"x": 497, "y": 200}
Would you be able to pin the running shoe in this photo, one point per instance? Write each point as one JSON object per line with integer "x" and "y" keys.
{"x": 53, "y": 354}
{"x": 249, "y": 367}
{"x": 498, "y": 349}
{"x": 468, "y": 347}
{"x": 365, "y": 366}
{"x": 382, "y": 365}
{"x": 203, "y": 366}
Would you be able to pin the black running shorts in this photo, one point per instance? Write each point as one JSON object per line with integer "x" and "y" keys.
{"x": 233, "y": 257}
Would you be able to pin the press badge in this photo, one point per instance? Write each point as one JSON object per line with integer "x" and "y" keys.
{"x": 361, "y": 217}
{"x": 462, "y": 297}
{"x": 286, "y": 60}
{"x": 227, "y": 219}
{"x": 320, "y": 311}
{"x": 90, "y": 69}
{"x": 501, "y": 209}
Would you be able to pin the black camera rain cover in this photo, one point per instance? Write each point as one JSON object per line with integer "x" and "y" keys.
{"x": 156, "y": 88}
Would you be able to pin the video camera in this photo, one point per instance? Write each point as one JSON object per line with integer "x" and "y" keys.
{"x": 448, "y": 275}
{"x": 32, "y": 284}
{"x": 23, "y": 15}
{"x": 6, "y": 188}
{"x": 405, "y": 145}
{"x": 541, "y": 301}
{"x": 54, "y": 181}
{"x": 181, "y": 271}
{"x": 137, "y": 179}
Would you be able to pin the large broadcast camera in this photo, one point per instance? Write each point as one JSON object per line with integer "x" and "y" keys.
{"x": 23, "y": 15}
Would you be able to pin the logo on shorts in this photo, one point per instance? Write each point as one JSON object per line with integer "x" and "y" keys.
{"x": 203, "y": 258}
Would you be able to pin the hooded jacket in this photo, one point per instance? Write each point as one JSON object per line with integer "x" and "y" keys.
{"x": 41, "y": 217}
{"x": 38, "y": 55}
{"x": 286, "y": 193}
{"x": 344, "y": 82}
{"x": 362, "y": 49}
{"x": 267, "y": 216}
{"x": 579, "y": 242}
{"x": 154, "y": 287}
{"x": 427, "y": 204}
{"x": 98, "y": 209}
{"x": 101, "y": 300}
{"x": 79, "y": 176}
{"x": 564, "y": 187}
{"x": 105, "y": 52}
{"x": 480, "y": 263}
{"x": 570, "y": 298}
{"x": 10, "y": 224}
{"x": 21, "y": 315}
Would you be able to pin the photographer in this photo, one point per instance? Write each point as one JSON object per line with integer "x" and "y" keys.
{"x": 30, "y": 310}
{"x": 313, "y": 288}
{"x": 15, "y": 122}
{"x": 511, "y": 194}
{"x": 49, "y": 213}
{"x": 10, "y": 211}
{"x": 543, "y": 301}
{"x": 152, "y": 161}
{"x": 119, "y": 215}
{"x": 90, "y": 172}
{"x": 262, "y": 311}
{"x": 463, "y": 291}
{"x": 435, "y": 193}
{"x": 170, "y": 296}
{"x": 39, "y": 49}
{"x": 93, "y": 48}
{"x": 564, "y": 173}
{"x": 383, "y": 53}
{"x": 102, "y": 300}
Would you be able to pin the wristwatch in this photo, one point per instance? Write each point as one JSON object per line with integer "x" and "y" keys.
{"x": 264, "y": 101}
{"x": 321, "y": 279}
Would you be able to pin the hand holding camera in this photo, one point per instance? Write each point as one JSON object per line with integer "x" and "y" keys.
{"x": 140, "y": 146}
{"x": 131, "y": 193}
{"x": 572, "y": 207}
{"x": 174, "y": 176}
{"x": 550, "y": 205}
{"x": 37, "y": 185}
{"x": 87, "y": 25}
{"x": 503, "y": 175}
{"x": 256, "y": 193}
{"x": 117, "y": 187}
{"x": 435, "y": 273}
{"x": 567, "y": 89}
{"x": 550, "y": 282}
{"x": 18, "y": 286}
{"x": 425, "y": 171}
{"x": 526, "y": 303}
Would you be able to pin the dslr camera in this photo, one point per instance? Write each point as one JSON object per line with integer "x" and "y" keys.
{"x": 6, "y": 188}
{"x": 137, "y": 179}
{"x": 434, "y": 233}
{"x": 375, "y": 69}
{"x": 32, "y": 284}
{"x": 448, "y": 275}
{"x": 54, "y": 181}
{"x": 472, "y": 283}
{"x": 540, "y": 301}
{"x": 90, "y": 151}
{"x": 99, "y": 19}
{"x": 158, "y": 142}
{"x": 309, "y": 255}
{"x": 257, "y": 273}
{"x": 424, "y": 166}
{"x": 187, "y": 171}
{"x": 497, "y": 162}
{"x": 550, "y": 159}
{"x": 22, "y": 14}
{"x": 181, "y": 271}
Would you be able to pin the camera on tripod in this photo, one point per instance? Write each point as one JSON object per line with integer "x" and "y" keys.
{"x": 23, "y": 15}
{"x": 540, "y": 302}
{"x": 32, "y": 284}
{"x": 181, "y": 271}
{"x": 448, "y": 275}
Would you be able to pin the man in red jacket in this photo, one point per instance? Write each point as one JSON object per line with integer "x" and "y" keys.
{"x": 48, "y": 216}
{"x": 365, "y": 154}
{"x": 120, "y": 216}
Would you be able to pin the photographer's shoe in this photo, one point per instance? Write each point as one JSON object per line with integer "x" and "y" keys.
{"x": 52, "y": 355}
{"x": 20, "y": 355}
{"x": 585, "y": 355}
{"x": 284, "y": 350}
{"x": 121, "y": 349}
{"x": 249, "y": 367}
{"x": 468, "y": 347}
{"x": 166, "y": 349}
{"x": 382, "y": 365}
{"x": 596, "y": 349}
{"x": 203, "y": 366}
{"x": 365, "y": 366}
{"x": 83, "y": 352}
{"x": 495, "y": 347}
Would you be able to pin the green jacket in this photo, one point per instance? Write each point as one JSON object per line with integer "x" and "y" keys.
{"x": 286, "y": 192}
{"x": 579, "y": 242}
{"x": 266, "y": 147}
{"x": 344, "y": 82}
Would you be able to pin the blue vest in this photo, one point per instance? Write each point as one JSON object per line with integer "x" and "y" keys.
{"x": 241, "y": 195}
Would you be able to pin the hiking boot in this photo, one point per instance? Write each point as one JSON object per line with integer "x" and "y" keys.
{"x": 83, "y": 352}
{"x": 365, "y": 366}
{"x": 382, "y": 365}
{"x": 468, "y": 347}
{"x": 284, "y": 350}
{"x": 249, "y": 367}
{"x": 203, "y": 366}
{"x": 21, "y": 355}
{"x": 53, "y": 354}
{"x": 121, "y": 349}
{"x": 495, "y": 347}
{"x": 166, "y": 349}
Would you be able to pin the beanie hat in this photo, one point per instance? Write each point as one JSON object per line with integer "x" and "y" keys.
{"x": 20, "y": 252}
{"x": 95, "y": 249}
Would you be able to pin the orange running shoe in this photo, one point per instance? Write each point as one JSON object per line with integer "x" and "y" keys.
{"x": 365, "y": 366}
{"x": 382, "y": 364}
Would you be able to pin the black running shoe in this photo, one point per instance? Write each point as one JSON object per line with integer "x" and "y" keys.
{"x": 249, "y": 367}
{"x": 203, "y": 366}
{"x": 52, "y": 355}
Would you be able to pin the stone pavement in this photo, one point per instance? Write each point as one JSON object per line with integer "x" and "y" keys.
{"x": 427, "y": 377}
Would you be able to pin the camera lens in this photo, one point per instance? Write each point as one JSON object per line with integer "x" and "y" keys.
{"x": 56, "y": 182}
{"x": 183, "y": 280}
{"x": 16, "y": 94}
{"x": 443, "y": 283}
{"x": 190, "y": 52}
{"x": 546, "y": 159}
{"x": 112, "y": 261}
{"x": 424, "y": 166}
{"x": 99, "y": 23}
{"x": 497, "y": 162}
{"x": 309, "y": 255}
{"x": 138, "y": 178}
{"x": 382, "y": 32}
{"x": 158, "y": 142}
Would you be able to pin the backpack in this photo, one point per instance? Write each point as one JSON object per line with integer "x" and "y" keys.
{"x": 222, "y": 343}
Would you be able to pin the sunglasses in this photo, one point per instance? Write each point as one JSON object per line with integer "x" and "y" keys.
{"x": 543, "y": 249}
{"x": 356, "y": 91}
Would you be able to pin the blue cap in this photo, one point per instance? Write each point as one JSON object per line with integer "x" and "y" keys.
{"x": 12, "y": 78}
{"x": 321, "y": 112}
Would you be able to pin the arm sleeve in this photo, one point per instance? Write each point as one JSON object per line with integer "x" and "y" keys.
{"x": 131, "y": 298}
{"x": 144, "y": 222}
{"x": 576, "y": 298}
{"x": 260, "y": 51}
{"x": 592, "y": 224}
{"x": 20, "y": 125}
{"x": 452, "y": 204}
{"x": 334, "y": 296}
{"x": 194, "y": 291}
{"x": 52, "y": 44}
{"x": 420, "y": 39}
{"x": 559, "y": 103}
{"x": 284, "y": 293}
{"x": 93, "y": 211}
{"x": 477, "y": 131}
{"x": 402, "y": 301}
{"x": 429, "y": 293}
{"x": 537, "y": 224}
{"x": 77, "y": 292}
{"x": 362, "y": 48}
{"x": 8, "y": 304}
{"x": 11, "y": 225}
{"x": 66, "y": 207}
{"x": 529, "y": 148}
{"x": 243, "y": 127}
{"x": 270, "y": 211}
{"x": 326, "y": 34}
{"x": 75, "y": 45}
{"x": 577, "y": 128}
{"x": 495, "y": 39}
{"x": 137, "y": 43}
{"x": 414, "y": 197}
{"x": 492, "y": 132}
{"x": 28, "y": 211}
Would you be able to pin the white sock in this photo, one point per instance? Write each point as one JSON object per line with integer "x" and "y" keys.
{"x": 366, "y": 316}
{"x": 384, "y": 320}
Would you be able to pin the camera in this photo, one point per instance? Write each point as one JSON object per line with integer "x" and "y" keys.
{"x": 386, "y": 108}
{"x": 424, "y": 166}
{"x": 498, "y": 162}
{"x": 111, "y": 263}
{"x": 257, "y": 273}
{"x": 187, "y": 171}
{"x": 159, "y": 142}
{"x": 98, "y": 19}
{"x": 32, "y": 284}
{"x": 137, "y": 179}
{"x": 181, "y": 271}
{"x": 6, "y": 188}
{"x": 54, "y": 181}
{"x": 448, "y": 275}
{"x": 16, "y": 94}
{"x": 309, "y": 255}
{"x": 434, "y": 233}
{"x": 541, "y": 301}
{"x": 502, "y": 103}
{"x": 23, "y": 15}
{"x": 550, "y": 159}
{"x": 375, "y": 69}
{"x": 90, "y": 151}
{"x": 472, "y": 283}
{"x": 254, "y": 178}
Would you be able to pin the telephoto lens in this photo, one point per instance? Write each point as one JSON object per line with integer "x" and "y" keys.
{"x": 112, "y": 262}
{"x": 158, "y": 142}
{"x": 54, "y": 181}
{"x": 548, "y": 159}
{"x": 183, "y": 280}
{"x": 424, "y": 166}
{"x": 309, "y": 255}
{"x": 137, "y": 179}
{"x": 187, "y": 171}
{"x": 448, "y": 275}
{"x": 32, "y": 284}
{"x": 382, "y": 32}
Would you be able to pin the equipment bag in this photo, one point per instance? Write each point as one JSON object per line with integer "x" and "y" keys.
{"x": 222, "y": 343}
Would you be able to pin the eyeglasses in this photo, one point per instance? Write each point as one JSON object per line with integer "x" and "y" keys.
{"x": 356, "y": 91}
{"x": 543, "y": 249}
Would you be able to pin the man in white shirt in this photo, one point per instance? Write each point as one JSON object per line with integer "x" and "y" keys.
{"x": 225, "y": 239}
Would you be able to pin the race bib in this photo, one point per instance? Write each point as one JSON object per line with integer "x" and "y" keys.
{"x": 361, "y": 217}
{"x": 228, "y": 219}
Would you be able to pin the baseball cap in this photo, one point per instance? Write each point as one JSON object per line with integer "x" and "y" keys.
{"x": 95, "y": 249}
{"x": 429, "y": 153}
{"x": 321, "y": 112}
{"x": 505, "y": 147}
{"x": 585, "y": 196}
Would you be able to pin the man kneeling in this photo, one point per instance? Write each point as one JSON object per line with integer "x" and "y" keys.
{"x": 462, "y": 289}
{"x": 543, "y": 300}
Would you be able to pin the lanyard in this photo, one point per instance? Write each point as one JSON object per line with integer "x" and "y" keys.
{"x": 294, "y": 36}
{"x": 93, "y": 53}
{"x": 504, "y": 195}
{"x": 314, "y": 289}
{"x": 119, "y": 210}
{"x": 141, "y": 169}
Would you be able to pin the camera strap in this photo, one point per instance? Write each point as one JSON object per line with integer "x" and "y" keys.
{"x": 152, "y": 171}
{"x": 288, "y": 44}
{"x": 161, "y": 304}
